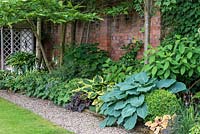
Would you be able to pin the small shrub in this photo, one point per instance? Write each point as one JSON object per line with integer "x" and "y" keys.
{"x": 78, "y": 102}
{"x": 117, "y": 71}
{"x": 160, "y": 103}
{"x": 81, "y": 61}
{"x": 61, "y": 93}
{"x": 177, "y": 60}
{"x": 21, "y": 61}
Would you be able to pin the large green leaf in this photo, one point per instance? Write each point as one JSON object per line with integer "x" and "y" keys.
{"x": 104, "y": 123}
{"x": 165, "y": 83}
{"x": 132, "y": 92}
{"x": 142, "y": 77}
{"x": 120, "y": 120}
{"x": 146, "y": 89}
{"x": 130, "y": 122}
{"x": 136, "y": 101}
{"x": 109, "y": 110}
{"x": 111, "y": 120}
{"x": 142, "y": 111}
{"x": 117, "y": 113}
{"x": 120, "y": 105}
{"x": 128, "y": 111}
{"x": 125, "y": 86}
{"x": 177, "y": 87}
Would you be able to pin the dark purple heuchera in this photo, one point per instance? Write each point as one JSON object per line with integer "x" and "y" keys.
{"x": 79, "y": 102}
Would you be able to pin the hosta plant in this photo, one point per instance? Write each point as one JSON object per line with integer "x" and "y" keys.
{"x": 126, "y": 102}
{"x": 94, "y": 88}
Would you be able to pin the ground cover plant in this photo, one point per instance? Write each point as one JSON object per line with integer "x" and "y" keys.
{"x": 15, "y": 120}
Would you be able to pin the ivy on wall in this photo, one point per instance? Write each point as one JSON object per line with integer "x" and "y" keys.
{"x": 183, "y": 18}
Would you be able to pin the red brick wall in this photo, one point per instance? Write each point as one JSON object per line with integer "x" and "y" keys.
{"x": 112, "y": 33}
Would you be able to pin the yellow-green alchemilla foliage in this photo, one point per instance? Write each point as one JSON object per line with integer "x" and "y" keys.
{"x": 15, "y": 11}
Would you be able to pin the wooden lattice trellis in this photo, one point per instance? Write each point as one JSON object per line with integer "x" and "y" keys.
{"x": 14, "y": 40}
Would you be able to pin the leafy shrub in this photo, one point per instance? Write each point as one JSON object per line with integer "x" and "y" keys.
{"x": 161, "y": 102}
{"x": 3, "y": 76}
{"x": 21, "y": 61}
{"x": 42, "y": 85}
{"x": 79, "y": 102}
{"x": 178, "y": 60}
{"x": 117, "y": 71}
{"x": 93, "y": 89}
{"x": 81, "y": 61}
{"x": 126, "y": 102}
{"x": 195, "y": 129}
{"x": 62, "y": 92}
{"x": 185, "y": 120}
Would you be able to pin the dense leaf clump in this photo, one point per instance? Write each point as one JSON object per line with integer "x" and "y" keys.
{"x": 126, "y": 102}
{"x": 161, "y": 102}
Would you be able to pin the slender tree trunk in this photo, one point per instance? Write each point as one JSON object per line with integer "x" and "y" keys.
{"x": 62, "y": 43}
{"x": 88, "y": 32}
{"x": 73, "y": 32}
{"x": 147, "y": 6}
{"x": 38, "y": 51}
{"x": 82, "y": 34}
{"x": 34, "y": 27}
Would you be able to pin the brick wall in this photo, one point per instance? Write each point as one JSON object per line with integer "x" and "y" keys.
{"x": 111, "y": 34}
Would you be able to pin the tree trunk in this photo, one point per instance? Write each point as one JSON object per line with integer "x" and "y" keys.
{"x": 73, "y": 32}
{"x": 34, "y": 29}
{"x": 38, "y": 51}
{"x": 147, "y": 6}
{"x": 62, "y": 43}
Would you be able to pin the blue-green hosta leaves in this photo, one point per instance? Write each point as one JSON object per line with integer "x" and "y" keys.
{"x": 120, "y": 105}
{"x": 130, "y": 122}
{"x": 142, "y": 77}
{"x": 136, "y": 101}
{"x": 126, "y": 102}
{"x": 146, "y": 89}
{"x": 142, "y": 111}
{"x": 128, "y": 111}
{"x": 165, "y": 83}
{"x": 178, "y": 87}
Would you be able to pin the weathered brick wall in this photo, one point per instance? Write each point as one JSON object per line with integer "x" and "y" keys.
{"x": 112, "y": 33}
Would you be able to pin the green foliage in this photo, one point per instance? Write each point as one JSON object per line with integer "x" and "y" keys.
{"x": 186, "y": 119}
{"x": 126, "y": 101}
{"x": 81, "y": 61}
{"x": 42, "y": 85}
{"x": 182, "y": 17}
{"x": 125, "y": 7}
{"x": 117, "y": 71}
{"x": 61, "y": 93}
{"x": 161, "y": 102}
{"x": 21, "y": 61}
{"x": 195, "y": 129}
{"x": 177, "y": 60}
{"x": 93, "y": 89}
{"x": 13, "y": 11}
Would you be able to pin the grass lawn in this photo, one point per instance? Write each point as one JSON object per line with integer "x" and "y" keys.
{"x": 16, "y": 120}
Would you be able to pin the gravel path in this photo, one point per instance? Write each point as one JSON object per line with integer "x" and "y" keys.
{"x": 80, "y": 123}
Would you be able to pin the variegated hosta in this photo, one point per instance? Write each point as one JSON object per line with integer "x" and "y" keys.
{"x": 126, "y": 102}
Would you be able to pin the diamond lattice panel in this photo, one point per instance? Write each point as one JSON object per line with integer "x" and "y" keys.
{"x": 6, "y": 43}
